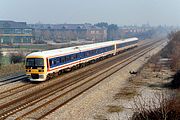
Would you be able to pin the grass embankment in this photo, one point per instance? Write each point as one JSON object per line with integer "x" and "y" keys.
{"x": 168, "y": 107}
{"x": 6, "y": 70}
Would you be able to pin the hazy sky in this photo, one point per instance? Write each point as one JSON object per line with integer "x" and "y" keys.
{"x": 121, "y": 12}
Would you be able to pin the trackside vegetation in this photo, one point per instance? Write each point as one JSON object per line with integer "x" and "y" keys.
{"x": 169, "y": 103}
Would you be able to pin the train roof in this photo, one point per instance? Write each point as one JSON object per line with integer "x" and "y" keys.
{"x": 75, "y": 49}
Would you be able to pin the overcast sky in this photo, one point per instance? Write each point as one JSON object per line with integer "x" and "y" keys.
{"x": 121, "y": 12}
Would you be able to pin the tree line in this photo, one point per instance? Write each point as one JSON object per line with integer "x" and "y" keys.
{"x": 172, "y": 50}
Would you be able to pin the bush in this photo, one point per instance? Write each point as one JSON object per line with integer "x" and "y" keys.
{"x": 16, "y": 58}
{"x": 164, "y": 109}
{"x": 175, "y": 83}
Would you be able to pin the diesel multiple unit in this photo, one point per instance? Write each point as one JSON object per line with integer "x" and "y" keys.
{"x": 43, "y": 65}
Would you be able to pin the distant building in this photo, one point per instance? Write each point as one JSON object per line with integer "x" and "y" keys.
{"x": 15, "y": 33}
{"x": 68, "y": 32}
{"x": 96, "y": 34}
{"x": 142, "y": 32}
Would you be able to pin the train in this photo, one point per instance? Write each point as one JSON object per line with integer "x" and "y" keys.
{"x": 44, "y": 65}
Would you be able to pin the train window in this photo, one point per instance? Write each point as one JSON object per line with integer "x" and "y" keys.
{"x": 67, "y": 58}
{"x": 91, "y": 53}
{"x": 51, "y": 62}
{"x": 78, "y": 55}
{"x": 107, "y": 49}
{"x": 39, "y": 62}
{"x": 55, "y": 62}
{"x": 63, "y": 60}
{"x": 58, "y": 59}
{"x": 72, "y": 57}
{"x": 86, "y": 54}
{"x": 30, "y": 62}
{"x": 34, "y": 62}
{"x": 102, "y": 50}
{"x": 82, "y": 55}
{"x": 94, "y": 51}
{"x": 75, "y": 56}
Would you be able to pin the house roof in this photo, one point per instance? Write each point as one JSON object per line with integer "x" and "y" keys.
{"x": 12, "y": 24}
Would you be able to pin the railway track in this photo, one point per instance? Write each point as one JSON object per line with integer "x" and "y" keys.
{"x": 81, "y": 83}
{"x": 17, "y": 88}
{"x": 12, "y": 79}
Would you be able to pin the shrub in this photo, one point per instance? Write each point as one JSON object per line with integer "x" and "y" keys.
{"x": 17, "y": 58}
{"x": 164, "y": 109}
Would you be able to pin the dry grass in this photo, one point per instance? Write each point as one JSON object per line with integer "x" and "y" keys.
{"x": 100, "y": 117}
{"x": 11, "y": 69}
{"x": 159, "y": 108}
{"x": 138, "y": 81}
{"x": 113, "y": 108}
{"x": 126, "y": 93}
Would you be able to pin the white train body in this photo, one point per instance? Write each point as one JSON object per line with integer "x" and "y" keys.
{"x": 40, "y": 65}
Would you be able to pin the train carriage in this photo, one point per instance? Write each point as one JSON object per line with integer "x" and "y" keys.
{"x": 43, "y": 65}
{"x": 122, "y": 45}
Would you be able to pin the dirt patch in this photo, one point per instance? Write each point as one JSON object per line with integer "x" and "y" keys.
{"x": 114, "y": 108}
{"x": 126, "y": 93}
{"x": 100, "y": 117}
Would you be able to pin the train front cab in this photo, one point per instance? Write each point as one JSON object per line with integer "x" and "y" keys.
{"x": 36, "y": 68}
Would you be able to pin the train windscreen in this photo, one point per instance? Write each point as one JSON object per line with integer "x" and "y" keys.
{"x": 34, "y": 62}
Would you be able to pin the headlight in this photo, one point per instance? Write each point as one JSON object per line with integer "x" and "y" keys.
{"x": 41, "y": 76}
{"x": 28, "y": 70}
{"x": 40, "y": 70}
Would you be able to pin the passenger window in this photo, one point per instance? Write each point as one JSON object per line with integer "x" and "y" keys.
{"x": 62, "y": 59}
{"x": 68, "y": 58}
{"x": 58, "y": 60}
{"x": 55, "y": 62}
{"x": 50, "y": 62}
